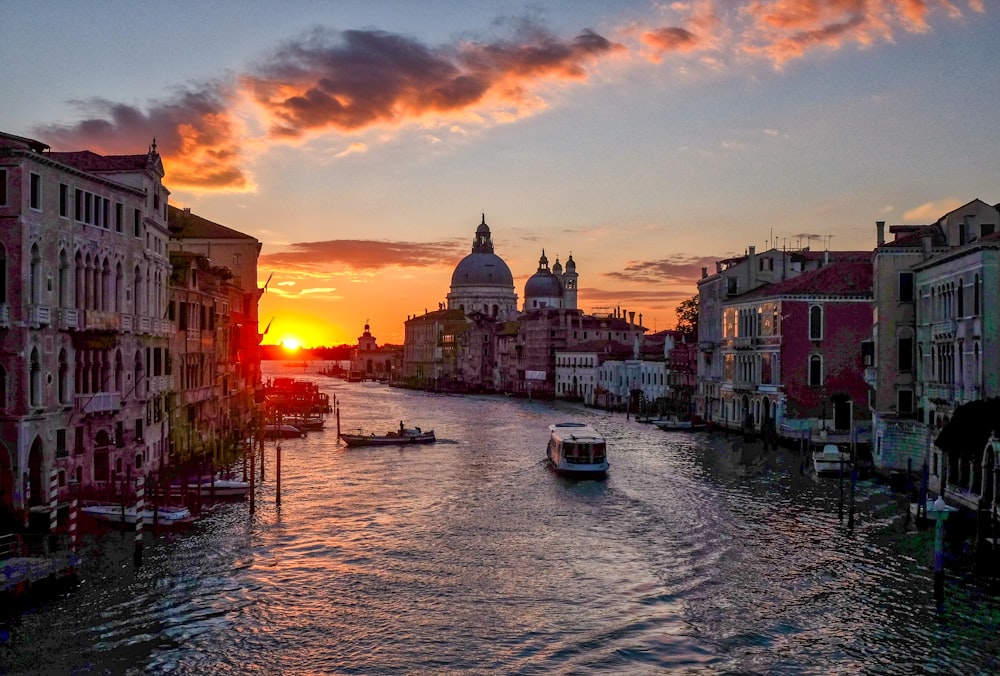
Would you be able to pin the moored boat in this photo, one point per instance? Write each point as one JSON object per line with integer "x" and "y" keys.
{"x": 830, "y": 460}
{"x": 283, "y": 431}
{"x": 577, "y": 450}
{"x": 675, "y": 425}
{"x": 165, "y": 515}
{"x": 219, "y": 488}
{"x": 405, "y": 435}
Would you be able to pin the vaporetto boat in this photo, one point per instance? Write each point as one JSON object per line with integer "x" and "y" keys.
{"x": 577, "y": 450}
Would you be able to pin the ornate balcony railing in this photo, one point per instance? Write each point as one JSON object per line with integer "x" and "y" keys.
{"x": 98, "y": 402}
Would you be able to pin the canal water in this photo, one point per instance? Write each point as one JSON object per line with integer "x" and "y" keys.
{"x": 468, "y": 556}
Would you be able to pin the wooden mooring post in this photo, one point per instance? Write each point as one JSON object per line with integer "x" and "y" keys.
{"x": 253, "y": 474}
{"x": 277, "y": 474}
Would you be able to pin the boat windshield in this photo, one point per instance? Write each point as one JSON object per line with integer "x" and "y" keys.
{"x": 584, "y": 452}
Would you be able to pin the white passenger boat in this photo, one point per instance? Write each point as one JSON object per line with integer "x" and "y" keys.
{"x": 577, "y": 450}
{"x": 830, "y": 460}
{"x": 219, "y": 488}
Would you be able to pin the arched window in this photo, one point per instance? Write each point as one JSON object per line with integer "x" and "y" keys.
{"x": 63, "y": 383}
{"x": 136, "y": 291}
{"x": 35, "y": 379}
{"x": 961, "y": 299}
{"x": 815, "y": 371}
{"x": 119, "y": 281}
{"x": 119, "y": 372}
{"x": 816, "y": 322}
{"x": 35, "y": 278}
{"x": 63, "y": 279}
{"x": 81, "y": 286}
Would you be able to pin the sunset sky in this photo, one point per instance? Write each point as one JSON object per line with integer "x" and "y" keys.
{"x": 360, "y": 142}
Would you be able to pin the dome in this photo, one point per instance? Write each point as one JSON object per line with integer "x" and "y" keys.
{"x": 557, "y": 268}
{"x": 543, "y": 285}
{"x": 478, "y": 269}
{"x": 482, "y": 267}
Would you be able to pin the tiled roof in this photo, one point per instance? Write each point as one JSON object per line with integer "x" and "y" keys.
{"x": 86, "y": 160}
{"x": 184, "y": 224}
{"x": 852, "y": 278}
{"x": 915, "y": 238}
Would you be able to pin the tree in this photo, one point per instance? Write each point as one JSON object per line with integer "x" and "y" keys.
{"x": 687, "y": 316}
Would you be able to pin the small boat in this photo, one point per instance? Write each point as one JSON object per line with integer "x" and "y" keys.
{"x": 830, "y": 460}
{"x": 220, "y": 488}
{"x": 577, "y": 450}
{"x": 675, "y": 425}
{"x": 283, "y": 431}
{"x": 405, "y": 435}
{"x": 166, "y": 515}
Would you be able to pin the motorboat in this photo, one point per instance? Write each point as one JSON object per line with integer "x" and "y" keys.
{"x": 577, "y": 450}
{"x": 219, "y": 488}
{"x": 830, "y": 460}
{"x": 282, "y": 431}
{"x": 405, "y": 435}
{"x": 165, "y": 515}
{"x": 675, "y": 425}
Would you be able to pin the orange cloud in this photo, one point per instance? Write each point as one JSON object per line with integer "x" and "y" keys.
{"x": 309, "y": 257}
{"x": 355, "y": 79}
{"x": 782, "y": 30}
{"x": 195, "y": 131}
{"x": 679, "y": 269}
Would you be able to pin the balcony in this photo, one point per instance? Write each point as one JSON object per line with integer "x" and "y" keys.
{"x": 871, "y": 376}
{"x": 126, "y": 323}
{"x": 98, "y": 402}
{"x": 101, "y": 321}
{"x": 39, "y": 315}
{"x": 943, "y": 330}
{"x": 69, "y": 319}
{"x": 940, "y": 392}
{"x": 743, "y": 342}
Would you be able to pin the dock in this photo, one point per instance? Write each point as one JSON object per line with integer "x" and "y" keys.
{"x": 27, "y": 560}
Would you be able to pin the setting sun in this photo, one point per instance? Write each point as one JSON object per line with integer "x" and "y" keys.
{"x": 291, "y": 344}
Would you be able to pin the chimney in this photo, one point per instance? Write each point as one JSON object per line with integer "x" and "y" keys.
{"x": 704, "y": 273}
{"x": 880, "y": 230}
{"x": 826, "y": 257}
{"x": 187, "y": 210}
{"x": 631, "y": 317}
{"x": 926, "y": 241}
{"x": 718, "y": 267}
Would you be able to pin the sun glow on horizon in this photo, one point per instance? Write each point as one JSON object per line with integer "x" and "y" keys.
{"x": 291, "y": 344}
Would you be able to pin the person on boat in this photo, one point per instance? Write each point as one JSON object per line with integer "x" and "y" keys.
{"x": 401, "y": 428}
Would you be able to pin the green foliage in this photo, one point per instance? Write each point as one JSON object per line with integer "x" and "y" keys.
{"x": 687, "y": 316}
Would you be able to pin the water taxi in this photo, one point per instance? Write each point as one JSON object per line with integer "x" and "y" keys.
{"x": 577, "y": 450}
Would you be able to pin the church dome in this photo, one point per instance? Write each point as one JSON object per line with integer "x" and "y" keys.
{"x": 543, "y": 284}
{"x": 482, "y": 267}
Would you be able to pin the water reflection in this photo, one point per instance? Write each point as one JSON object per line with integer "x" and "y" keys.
{"x": 470, "y": 556}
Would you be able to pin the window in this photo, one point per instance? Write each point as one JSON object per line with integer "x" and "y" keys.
{"x": 816, "y": 323}
{"x": 119, "y": 216}
{"x": 904, "y": 357}
{"x": 61, "y": 449}
{"x": 64, "y": 200}
{"x": 815, "y": 371}
{"x": 3, "y": 187}
{"x": 905, "y": 287}
{"x": 136, "y": 222}
{"x": 35, "y": 197}
{"x": 904, "y": 401}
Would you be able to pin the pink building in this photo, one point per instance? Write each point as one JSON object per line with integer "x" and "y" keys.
{"x": 791, "y": 352}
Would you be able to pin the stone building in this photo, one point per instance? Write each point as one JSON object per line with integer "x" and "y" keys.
{"x": 482, "y": 282}
{"x": 84, "y": 365}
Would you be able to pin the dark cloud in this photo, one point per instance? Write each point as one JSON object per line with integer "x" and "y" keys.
{"x": 647, "y": 302}
{"x": 671, "y": 271}
{"x": 358, "y": 254}
{"x": 353, "y": 79}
